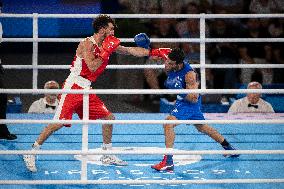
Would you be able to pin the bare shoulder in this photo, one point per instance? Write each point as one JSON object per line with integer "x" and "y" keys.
{"x": 84, "y": 45}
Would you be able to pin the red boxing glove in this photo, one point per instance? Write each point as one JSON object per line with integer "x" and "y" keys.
{"x": 160, "y": 52}
{"x": 109, "y": 45}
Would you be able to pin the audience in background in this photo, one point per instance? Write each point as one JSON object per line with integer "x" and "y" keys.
{"x": 252, "y": 103}
{"x": 223, "y": 53}
{"x": 219, "y": 53}
{"x": 263, "y": 6}
{"x": 255, "y": 53}
{"x": 48, "y": 103}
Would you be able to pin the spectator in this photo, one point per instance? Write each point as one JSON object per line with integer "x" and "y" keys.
{"x": 280, "y": 6}
{"x": 263, "y": 6}
{"x": 170, "y": 6}
{"x": 223, "y": 53}
{"x": 276, "y": 31}
{"x": 252, "y": 103}
{"x": 229, "y": 6}
{"x": 139, "y": 6}
{"x": 190, "y": 29}
{"x": 255, "y": 53}
{"x": 48, "y": 103}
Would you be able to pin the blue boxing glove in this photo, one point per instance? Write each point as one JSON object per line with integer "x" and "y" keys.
{"x": 142, "y": 40}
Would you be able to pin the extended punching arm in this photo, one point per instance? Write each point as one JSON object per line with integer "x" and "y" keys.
{"x": 142, "y": 40}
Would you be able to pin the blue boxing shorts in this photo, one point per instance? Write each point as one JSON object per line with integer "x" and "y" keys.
{"x": 186, "y": 111}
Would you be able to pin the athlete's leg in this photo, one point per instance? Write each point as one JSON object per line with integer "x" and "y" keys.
{"x": 47, "y": 131}
{"x": 169, "y": 132}
{"x": 214, "y": 134}
{"x": 107, "y": 144}
{"x": 107, "y": 129}
{"x": 210, "y": 131}
{"x": 65, "y": 110}
{"x": 98, "y": 110}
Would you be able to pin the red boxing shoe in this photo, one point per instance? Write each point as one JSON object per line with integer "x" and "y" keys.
{"x": 165, "y": 165}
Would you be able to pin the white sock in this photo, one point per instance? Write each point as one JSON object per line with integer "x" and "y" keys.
{"x": 36, "y": 146}
{"x": 169, "y": 150}
{"x": 107, "y": 146}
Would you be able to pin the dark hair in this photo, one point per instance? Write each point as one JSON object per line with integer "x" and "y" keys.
{"x": 102, "y": 21}
{"x": 177, "y": 55}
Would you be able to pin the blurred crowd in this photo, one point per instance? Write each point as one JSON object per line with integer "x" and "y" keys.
{"x": 216, "y": 53}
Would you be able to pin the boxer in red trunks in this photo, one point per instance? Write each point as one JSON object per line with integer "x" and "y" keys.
{"x": 91, "y": 59}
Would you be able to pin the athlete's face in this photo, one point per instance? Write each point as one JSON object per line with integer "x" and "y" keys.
{"x": 170, "y": 65}
{"x": 109, "y": 30}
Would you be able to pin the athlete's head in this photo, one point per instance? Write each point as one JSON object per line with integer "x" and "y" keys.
{"x": 175, "y": 60}
{"x": 104, "y": 25}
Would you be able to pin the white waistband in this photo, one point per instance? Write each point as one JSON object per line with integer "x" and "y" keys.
{"x": 79, "y": 80}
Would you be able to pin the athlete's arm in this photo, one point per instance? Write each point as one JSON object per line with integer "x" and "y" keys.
{"x": 85, "y": 50}
{"x": 135, "y": 51}
{"x": 191, "y": 83}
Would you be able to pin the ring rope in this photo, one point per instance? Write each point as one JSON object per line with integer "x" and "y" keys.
{"x": 154, "y": 40}
{"x": 139, "y": 182}
{"x": 148, "y": 66}
{"x": 138, "y": 152}
{"x": 248, "y": 121}
{"x": 202, "y": 39}
{"x": 203, "y": 15}
{"x": 140, "y": 91}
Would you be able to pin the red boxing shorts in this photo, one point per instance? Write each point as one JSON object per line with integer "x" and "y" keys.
{"x": 73, "y": 103}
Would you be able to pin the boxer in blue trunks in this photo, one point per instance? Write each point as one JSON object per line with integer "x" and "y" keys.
{"x": 187, "y": 106}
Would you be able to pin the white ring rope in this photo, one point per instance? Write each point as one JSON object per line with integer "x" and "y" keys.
{"x": 176, "y": 16}
{"x": 202, "y": 40}
{"x": 218, "y": 66}
{"x": 140, "y": 182}
{"x": 154, "y": 40}
{"x": 138, "y": 152}
{"x": 141, "y": 91}
{"x": 249, "y": 121}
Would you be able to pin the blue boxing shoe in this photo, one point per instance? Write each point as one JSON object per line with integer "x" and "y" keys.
{"x": 230, "y": 147}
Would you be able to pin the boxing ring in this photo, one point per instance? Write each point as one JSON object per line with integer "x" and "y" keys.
{"x": 69, "y": 158}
